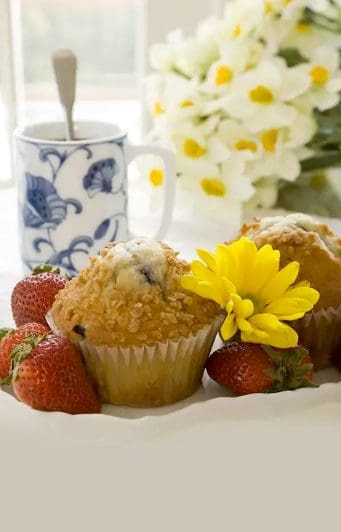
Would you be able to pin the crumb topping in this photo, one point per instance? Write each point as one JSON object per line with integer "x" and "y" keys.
{"x": 130, "y": 295}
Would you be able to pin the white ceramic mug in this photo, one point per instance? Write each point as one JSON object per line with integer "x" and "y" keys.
{"x": 73, "y": 194}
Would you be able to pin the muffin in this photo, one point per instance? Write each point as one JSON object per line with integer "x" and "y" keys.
{"x": 318, "y": 250}
{"x": 145, "y": 340}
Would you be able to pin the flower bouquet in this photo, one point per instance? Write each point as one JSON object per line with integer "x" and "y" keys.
{"x": 251, "y": 106}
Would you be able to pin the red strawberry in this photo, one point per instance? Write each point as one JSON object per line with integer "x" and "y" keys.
{"x": 49, "y": 374}
{"x": 34, "y": 296}
{"x": 12, "y": 338}
{"x": 251, "y": 368}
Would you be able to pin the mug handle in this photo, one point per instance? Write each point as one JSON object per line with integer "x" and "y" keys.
{"x": 170, "y": 181}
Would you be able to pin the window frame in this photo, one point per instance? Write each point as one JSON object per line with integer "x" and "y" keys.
{"x": 156, "y": 18}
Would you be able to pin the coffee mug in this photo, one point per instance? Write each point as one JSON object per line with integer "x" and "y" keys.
{"x": 73, "y": 194}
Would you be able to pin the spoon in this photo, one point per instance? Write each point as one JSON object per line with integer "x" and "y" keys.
{"x": 65, "y": 67}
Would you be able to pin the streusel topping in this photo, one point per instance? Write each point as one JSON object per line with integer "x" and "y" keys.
{"x": 130, "y": 295}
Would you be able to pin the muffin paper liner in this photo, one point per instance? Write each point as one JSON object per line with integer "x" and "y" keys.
{"x": 320, "y": 332}
{"x": 148, "y": 376}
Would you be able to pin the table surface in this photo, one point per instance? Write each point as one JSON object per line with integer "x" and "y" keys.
{"x": 278, "y": 470}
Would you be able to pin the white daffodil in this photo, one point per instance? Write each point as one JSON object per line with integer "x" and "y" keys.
{"x": 198, "y": 147}
{"x": 193, "y": 55}
{"x": 281, "y": 150}
{"x": 261, "y": 97}
{"x": 239, "y": 139}
{"x": 264, "y": 197}
{"x": 220, "y": 193}
{"x": 151, "y": 171}
{"x": 234, "y": 59}
{"x": 306, "y": 37}
{"x": 242, "y": 18}
{"x": 177, "y": 97}
{"x": 325, "y": 78}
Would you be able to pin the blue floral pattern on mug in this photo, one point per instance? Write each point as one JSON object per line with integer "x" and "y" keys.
{"x": 44, "y": 207}
{"x": 44, "y": 210}
{"x": 100, "y": 177}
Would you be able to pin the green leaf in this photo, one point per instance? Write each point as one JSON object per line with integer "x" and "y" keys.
{"x": 42, "y": 268}
{"x": 292, "y": 56}
{"x": 20, "y": 353}
{"x": 4, "y": 332}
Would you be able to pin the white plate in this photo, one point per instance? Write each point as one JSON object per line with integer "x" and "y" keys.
{"x": 211, "y": 404}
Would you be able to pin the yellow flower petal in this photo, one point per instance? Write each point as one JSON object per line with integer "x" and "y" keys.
{"x": 229, "y": 287}
{"x": 267, "y": 265}
{"x": 228, "y": 328}
{"x": 242, "y": 308}
{"x": 294, "y": 303}
{"x": 222, "y": 260}
{"x": 208, "y": 258}
{"x": 232, "y": 261}
{"x": 188, "y": 282}
{"x": 280, "y": 282}
{"x": 244, "y": 325}
{"x": 277, "y": 334}
{"x": 203, "y": 289}
{"x": 201, "y": 271}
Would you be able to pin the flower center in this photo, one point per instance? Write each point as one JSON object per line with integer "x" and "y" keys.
{"x": 223, "y": 75}
{"x": 193, "y": 149}
{"x": 267, "y": 8}
{"x": 261, "y": 94}
{"x": 244, "y": 144}
{"x": 156, "y": 177}
{"x": 186, "y": 103}
{"x": 302, "y": 27}
{"x": 213, "y": 187}
{"x": 269, "y": 140}
{"x": 237, "y": 31}
{"x": 158, "y": 108}
{"x": 319, "y": 74}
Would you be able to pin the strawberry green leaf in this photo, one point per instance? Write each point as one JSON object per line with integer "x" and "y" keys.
{"x": 42, "y": 268}
{"x": 4, "y": 332}
{"x": 21, "y": 352}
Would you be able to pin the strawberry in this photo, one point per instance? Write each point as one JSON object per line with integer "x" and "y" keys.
{"x": 34, "y": 296}
{"x": 251, "y": 368}
{"x": 48, "y": 374}
{"x": 10, "y": 338}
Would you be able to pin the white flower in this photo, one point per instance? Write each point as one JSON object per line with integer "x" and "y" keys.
{"x": 151, "y": 170}
{"x": 307, "y": 37}
{"x": 239, "y": 139}
{"x": 198, "y": 148}
{"x": 242, "y": 18}
{"x": 261, "y": 96}
{"x": 325, "y": 78}
{"x": 234, "y": 59}
{"x": 174, "y": 98}
{"x": 219, "y": 193}
{"x": 264, "y": 197}
{"x": 281, "y": 153}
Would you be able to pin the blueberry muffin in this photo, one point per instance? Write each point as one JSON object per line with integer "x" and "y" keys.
{"x": 145, "y": 340}
{"x": 318, "y": 250}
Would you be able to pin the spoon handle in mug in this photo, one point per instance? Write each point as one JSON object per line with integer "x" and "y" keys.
{"x": 65, "y": 68}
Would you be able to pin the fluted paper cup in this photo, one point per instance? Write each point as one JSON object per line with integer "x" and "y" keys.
{"x": 320, "y": 332}
{"x": 148, "y": 376}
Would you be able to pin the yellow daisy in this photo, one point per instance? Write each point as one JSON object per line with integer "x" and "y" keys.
{"x": 256, "y": 294}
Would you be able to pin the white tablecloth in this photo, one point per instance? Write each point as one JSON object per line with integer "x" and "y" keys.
{"x": 277, "y": 473}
